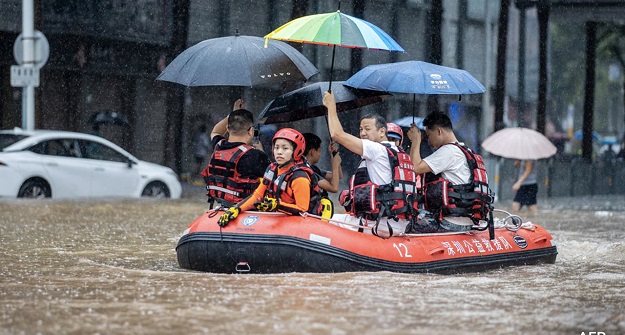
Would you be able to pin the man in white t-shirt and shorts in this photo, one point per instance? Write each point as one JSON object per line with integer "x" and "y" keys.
{"x": 369, "y": 146}
{"x": 447, "y": 160}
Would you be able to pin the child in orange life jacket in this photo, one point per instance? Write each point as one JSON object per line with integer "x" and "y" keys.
{"x": 288, "y": 184}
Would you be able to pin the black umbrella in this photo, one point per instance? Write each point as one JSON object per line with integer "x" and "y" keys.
{"x": 110, "y": 118}
{"x": 307, "y": 102}
{"x": 238, "y": 61}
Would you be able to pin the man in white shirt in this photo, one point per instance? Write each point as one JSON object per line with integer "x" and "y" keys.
{"x": 447, "y": 160}
{"x": 370, "y": 146}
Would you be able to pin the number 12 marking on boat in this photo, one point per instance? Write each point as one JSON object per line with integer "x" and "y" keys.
{"x": 402, "y": 249}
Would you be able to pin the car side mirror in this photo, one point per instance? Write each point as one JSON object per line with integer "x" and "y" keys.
{"x": 130, "y": 163}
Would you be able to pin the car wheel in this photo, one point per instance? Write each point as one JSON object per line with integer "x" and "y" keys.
{"x": 35, "y": 189}
{"x": 155, "y": 189}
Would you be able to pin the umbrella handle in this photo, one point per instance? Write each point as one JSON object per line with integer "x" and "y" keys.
{"x": 332, "y": 68}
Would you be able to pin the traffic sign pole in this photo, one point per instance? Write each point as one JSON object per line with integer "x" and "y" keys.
{"x": 28, "y": 92}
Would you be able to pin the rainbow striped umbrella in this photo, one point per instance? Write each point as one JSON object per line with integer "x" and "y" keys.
{"x": 335, "y": 29}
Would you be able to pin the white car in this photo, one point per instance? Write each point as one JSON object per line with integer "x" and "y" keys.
{"x": 61, "y": 164}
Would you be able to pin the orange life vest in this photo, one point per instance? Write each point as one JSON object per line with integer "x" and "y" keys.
{"x": 279, "y": 186}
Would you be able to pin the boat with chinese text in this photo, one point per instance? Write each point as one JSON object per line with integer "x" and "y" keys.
{"x": 259, "y": 242}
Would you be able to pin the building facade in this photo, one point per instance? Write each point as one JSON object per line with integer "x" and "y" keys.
{"x": 105, "y": 56}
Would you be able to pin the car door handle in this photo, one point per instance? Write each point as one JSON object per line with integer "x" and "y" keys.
{"x": 99, "y": 169}
{"x": 52, "y": 164}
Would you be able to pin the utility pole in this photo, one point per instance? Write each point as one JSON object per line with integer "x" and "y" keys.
{"x": 502, "y": 44}
{"x": 521, "y": 77}
{"x": 543, "y": 8}
{"x": 589, "y": 96}
{"x": 28, "y": 37}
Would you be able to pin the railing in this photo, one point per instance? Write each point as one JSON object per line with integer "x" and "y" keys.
{"x": 560, "y": 178}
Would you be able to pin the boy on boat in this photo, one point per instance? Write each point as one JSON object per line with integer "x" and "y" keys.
{"x": 328, "y": 180}
{"x": 395, "y": 134}
{"x": 288, "y": 185}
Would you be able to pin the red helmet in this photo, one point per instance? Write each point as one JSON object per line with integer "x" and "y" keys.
{"x": 294, "y": 136}
{"x": 394, "y": 131}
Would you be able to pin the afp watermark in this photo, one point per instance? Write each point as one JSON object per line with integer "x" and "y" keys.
{"x": 593, "y": 333}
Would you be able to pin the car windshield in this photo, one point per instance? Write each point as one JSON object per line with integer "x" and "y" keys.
{"x": 8, "y": 139}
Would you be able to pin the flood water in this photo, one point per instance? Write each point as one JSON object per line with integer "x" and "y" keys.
{"x": 109, "y": 267}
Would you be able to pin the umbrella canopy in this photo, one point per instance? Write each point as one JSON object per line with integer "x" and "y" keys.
{"x": 109, "y": 118}
{"x": 238, "y": 61}
{"x": 579, "y": 134}
{"x": 519, "y": 143}
{"x": 307, "y": 102}
{"x": 415, "y": 77}
{"x": 335, "y": 29}
{"x": 407, "y": 121}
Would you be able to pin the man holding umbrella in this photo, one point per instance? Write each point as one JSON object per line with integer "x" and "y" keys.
{"x": 235, "y": 167}
{"x": 383, "y": 188}
{"x": 456, "y": 184}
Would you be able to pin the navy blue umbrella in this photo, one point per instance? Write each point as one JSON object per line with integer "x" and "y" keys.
{"x": 238, "y": 61}
{"x": 415, "y": 77}
{"x": 307, "y": 102}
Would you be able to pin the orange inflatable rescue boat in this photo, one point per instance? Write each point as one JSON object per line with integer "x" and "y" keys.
{"x": 258, "y": 242}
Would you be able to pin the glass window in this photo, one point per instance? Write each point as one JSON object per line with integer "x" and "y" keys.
{"x": 65, "y": 147}
{"x": 95, "y": 150}
{"x": 40, "y": 148}
{"x": 8, "y": 139}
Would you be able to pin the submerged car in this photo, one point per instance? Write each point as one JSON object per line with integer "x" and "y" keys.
{"x": 62, "y": 164}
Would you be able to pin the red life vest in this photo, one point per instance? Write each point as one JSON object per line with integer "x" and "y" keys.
{"x": 395, "y": 200}
{"x": 223, "y": 181}
{"x": 279, "y": 186}
{"x": 473, "y": 200}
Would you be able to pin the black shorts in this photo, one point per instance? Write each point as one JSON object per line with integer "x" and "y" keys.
{"x": 526, "y": 195}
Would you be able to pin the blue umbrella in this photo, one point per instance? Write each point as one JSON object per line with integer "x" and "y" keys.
{"x": 578, "y": 135}
{"x": 415, "y": 77}
{"x": 609, "y": 140}
{"x": 407, "y": 121}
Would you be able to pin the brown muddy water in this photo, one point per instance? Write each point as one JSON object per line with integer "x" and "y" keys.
{"x": 109, "y": 267}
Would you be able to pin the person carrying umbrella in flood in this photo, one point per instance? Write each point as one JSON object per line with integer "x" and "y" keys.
{"x": 235, "y": 167}
{"x": 288, "y": 185}
{"x": 383, "y": 188}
